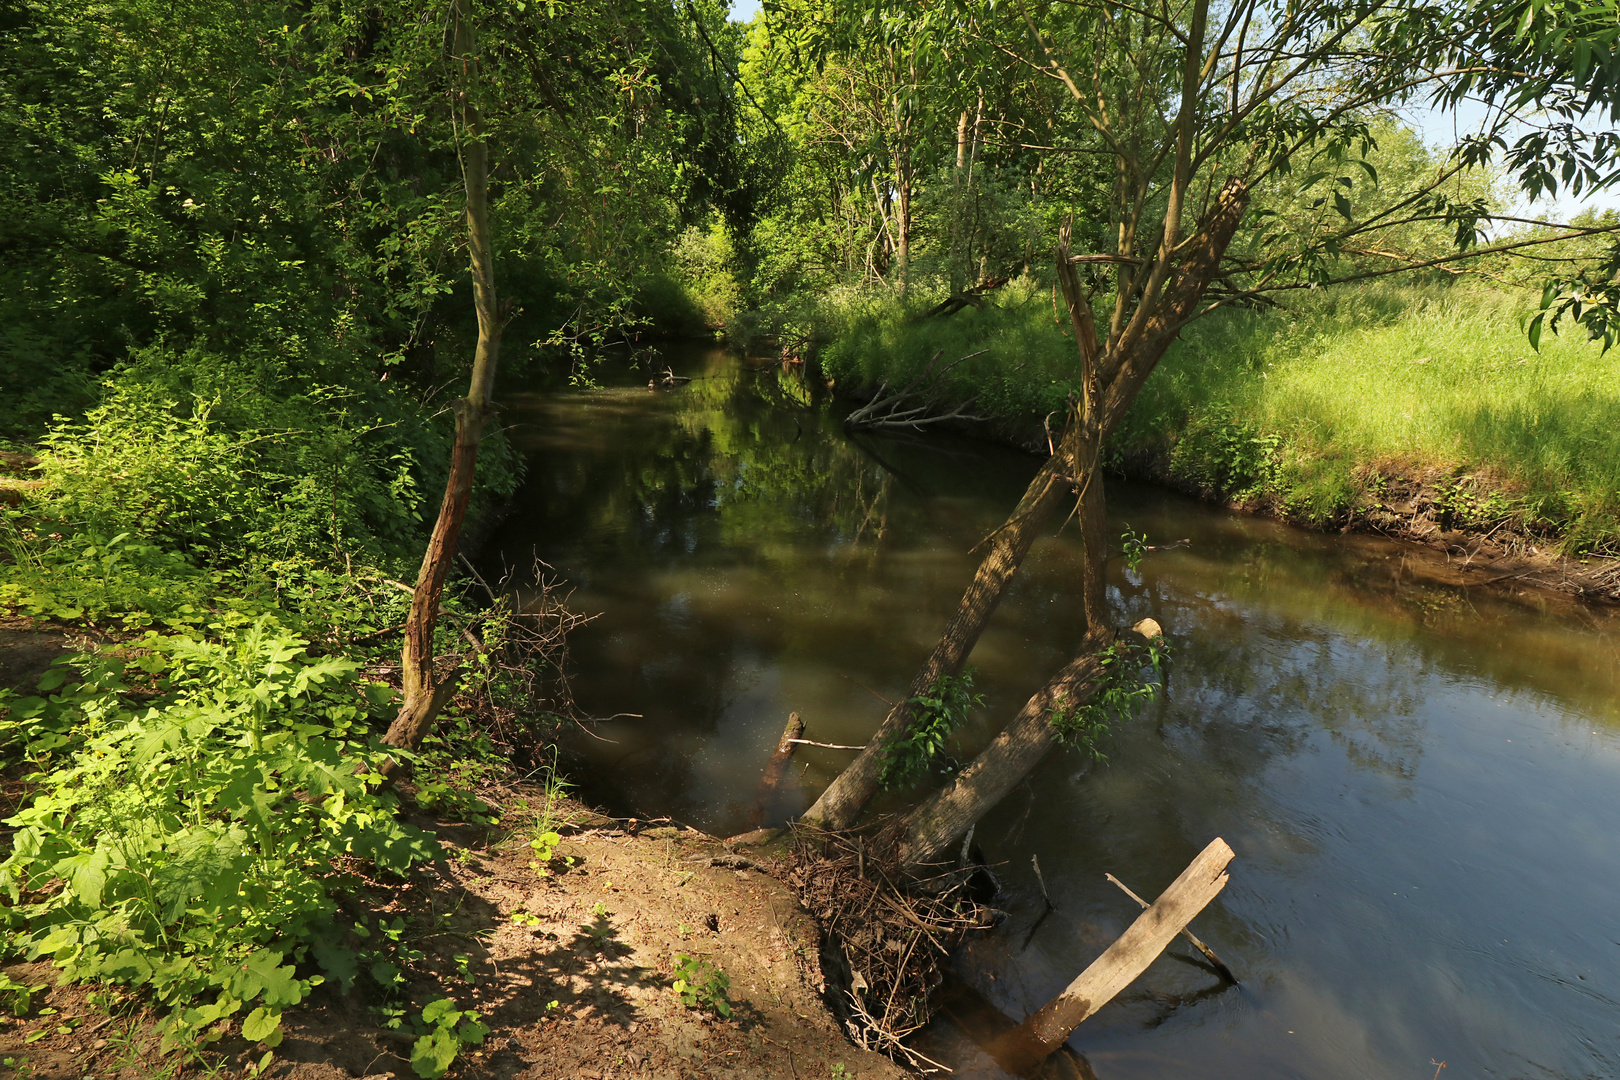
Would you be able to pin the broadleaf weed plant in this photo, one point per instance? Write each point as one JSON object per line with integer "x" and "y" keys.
{"x": 193, "y": 799}
{"x": 939, "y": 711}
{"x": 702, "y": 985}
{"x": 1120, "y": 690}
{"x": 449, "y": 1029}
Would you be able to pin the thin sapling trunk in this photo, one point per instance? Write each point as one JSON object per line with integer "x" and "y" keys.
{"x": 425, "y": 690}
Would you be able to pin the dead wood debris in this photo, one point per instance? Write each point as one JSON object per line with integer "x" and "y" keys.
{"x": 917, "y": 404}
{"x": 894, "y": 940}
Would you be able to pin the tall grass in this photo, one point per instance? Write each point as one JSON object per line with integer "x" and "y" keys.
{"x": 1311, "y": 403}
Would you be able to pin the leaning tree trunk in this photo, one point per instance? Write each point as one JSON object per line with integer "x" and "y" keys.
{"x": 936, "y": 823}
{"x": 933, "y": 826}
{"x": 1111, "y": 379}
{"x": 844, "y": 799}
{"x": 425, "y": 690}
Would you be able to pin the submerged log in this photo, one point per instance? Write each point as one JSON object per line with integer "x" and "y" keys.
{"x": 1032, "y": 1042}
{"x": 770, "y": 784}
{"x": 977, "y": 1017}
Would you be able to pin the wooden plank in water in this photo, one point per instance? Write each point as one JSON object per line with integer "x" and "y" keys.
{"x": 1025, "y": 1048}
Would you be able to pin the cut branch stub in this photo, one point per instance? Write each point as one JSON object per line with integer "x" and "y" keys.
{"x": 770, "y": 785}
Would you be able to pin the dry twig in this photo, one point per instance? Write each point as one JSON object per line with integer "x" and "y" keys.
{"x": 895, "y": 940}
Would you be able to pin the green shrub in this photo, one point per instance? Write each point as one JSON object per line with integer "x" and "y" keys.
{"x": 140, "y": 464}
{"x": 1230, "y": 457}
{"x": 195, "y": 804}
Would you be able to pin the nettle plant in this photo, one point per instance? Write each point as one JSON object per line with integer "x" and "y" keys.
{"x": 195, "y": 804}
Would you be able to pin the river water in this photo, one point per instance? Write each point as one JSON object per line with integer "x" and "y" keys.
{"x": 1421, "y": 781}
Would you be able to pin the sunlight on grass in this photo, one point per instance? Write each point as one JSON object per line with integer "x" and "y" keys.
{"x": 1431, "y": 381}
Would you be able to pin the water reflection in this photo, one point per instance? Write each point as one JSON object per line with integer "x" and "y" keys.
{"x": 1418, "y": 778}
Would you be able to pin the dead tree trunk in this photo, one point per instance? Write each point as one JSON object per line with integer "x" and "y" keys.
{"x": 425, "y": 690}
{"x": 1022, "y": 1050}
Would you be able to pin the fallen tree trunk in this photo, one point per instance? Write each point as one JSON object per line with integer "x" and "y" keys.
{"x": 1023, "y": 1049}
{"x": 973, "y": 297}
{"x": 915, "y": 404}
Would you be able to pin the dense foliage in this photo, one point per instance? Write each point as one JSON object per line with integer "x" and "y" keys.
{"x": 233, "y": 301}
{"x": 235, "y": 298}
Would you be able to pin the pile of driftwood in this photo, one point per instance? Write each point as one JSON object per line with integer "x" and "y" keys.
{"x": 885, "y": 946}
{"x": 917, "y": 404}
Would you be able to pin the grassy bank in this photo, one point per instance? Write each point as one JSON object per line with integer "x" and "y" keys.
{"x": 1313, "y": 409}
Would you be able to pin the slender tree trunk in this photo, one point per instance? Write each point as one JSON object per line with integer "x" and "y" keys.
{"x": 902, "y": 217}
{"x": 845, "y": 798}
{"x": 1002, "y": 766}
{"x": 961, "y": 238}
{"x": 1111, "y": 384}
{"x": 425, "y": 691}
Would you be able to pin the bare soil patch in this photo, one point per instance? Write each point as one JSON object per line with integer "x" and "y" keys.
{"x": 572, "y": 970}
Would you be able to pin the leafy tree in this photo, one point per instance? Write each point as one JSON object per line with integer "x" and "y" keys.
{"x": 1237, "y": 143}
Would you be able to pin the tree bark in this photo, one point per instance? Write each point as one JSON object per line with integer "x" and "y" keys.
{"x": 902, "y": 216}
{"x": 425, "y": 691}
{"x": 934, "y": 825}
{"x": 844, "y": 799}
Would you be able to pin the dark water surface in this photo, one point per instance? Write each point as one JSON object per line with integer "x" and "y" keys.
{"x": 1421, "y": 781}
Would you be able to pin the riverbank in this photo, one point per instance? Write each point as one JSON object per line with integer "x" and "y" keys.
{"x": 557, "y": 942}
{"x": 1414, "y": 412}
{"x": 571, "y": 964}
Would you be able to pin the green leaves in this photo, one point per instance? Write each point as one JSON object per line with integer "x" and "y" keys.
{"x": 1114, "y": 696}
{"x": 701, "y": 985}
{"x": 452, "y": 1029}
{"x": 194, "y": 840}
{"x": 432, "y": 1054}
{"x": 936, "y": 713}
{"x": 262, "y": 975}
{"x": 263, "y": 1025}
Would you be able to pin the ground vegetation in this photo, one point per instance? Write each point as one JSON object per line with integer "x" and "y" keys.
{"x": 250, "y": 249}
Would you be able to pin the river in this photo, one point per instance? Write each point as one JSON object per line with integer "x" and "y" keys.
{"x": 1421, "y": 781}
